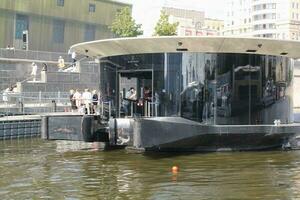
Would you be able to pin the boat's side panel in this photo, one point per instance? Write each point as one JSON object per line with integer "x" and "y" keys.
{"x": 177, "y": 134}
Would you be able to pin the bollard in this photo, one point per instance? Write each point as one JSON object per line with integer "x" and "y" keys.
{"x": 44, "y": 128}
{"x": 21, "y": 107}
{"x": 149, "y": 109}
{"x": 131, "y": 109}
{"x": 109, "y": 110}
{"x": 53, "y": 106}
{"x": 87, "y": 128}
{"x": 40, "y": 96}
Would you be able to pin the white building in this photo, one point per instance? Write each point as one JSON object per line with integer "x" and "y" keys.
{"x": 263, "y": 18}
{"x": 193, "y": 22}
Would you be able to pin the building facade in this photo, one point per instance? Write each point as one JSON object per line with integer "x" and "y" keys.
{"x": 54, "y": 25}
{"x": 260, "y": 18}
{"x": 192, "y": 23}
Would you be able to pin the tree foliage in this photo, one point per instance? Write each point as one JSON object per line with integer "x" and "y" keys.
{"x": 124, "y": 25}
{"x": 164, "y": 27}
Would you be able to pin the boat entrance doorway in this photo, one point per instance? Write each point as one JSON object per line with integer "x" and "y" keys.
{"x": 136, "y": 93}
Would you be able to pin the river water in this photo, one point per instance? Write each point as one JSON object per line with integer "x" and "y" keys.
{"x": 34, "y": 169}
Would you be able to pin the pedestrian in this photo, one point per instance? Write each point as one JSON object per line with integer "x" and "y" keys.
{"x": 130, "y": 97}
{"x": 77, "y": 98}
{"x": 5, "y": 96}
{"x": 72, "y": 100}
{"x": 95, "y": 101}
{"x": 61, "y": 62}
{"x": 34, "y": 71}
{"x": 73, "y": 55}
{"x": 45, "y": 67}
{"x": 87, "y": 100}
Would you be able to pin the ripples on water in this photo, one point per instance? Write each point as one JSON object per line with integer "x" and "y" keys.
{"x": 32, "y": 169}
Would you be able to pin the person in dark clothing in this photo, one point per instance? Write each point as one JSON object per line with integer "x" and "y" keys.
{"x": 73, "y": 101}
{"x": 147, "y": 94}
{"x": 44, "y": 67}
{"x": 95, "y": 101}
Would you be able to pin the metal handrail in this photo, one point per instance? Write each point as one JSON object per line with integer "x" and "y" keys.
{"x": 32, "y": 55}
{"x": 12, "y": 103}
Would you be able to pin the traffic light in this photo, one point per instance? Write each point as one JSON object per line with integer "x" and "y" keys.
{"x": 25, "y": 40}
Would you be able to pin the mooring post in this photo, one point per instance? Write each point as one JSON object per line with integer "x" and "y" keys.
{"x": 109, "y": 109}
{"x": 131, "y": 109}
{"x": 44, "y": 128}
{"x": 21, "y": 106}
{"x": 53, "y": 106}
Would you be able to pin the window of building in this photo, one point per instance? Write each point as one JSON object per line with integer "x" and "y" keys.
{"x": 22, "y": 24}
{"x": 60, "y": 3}
{"x": 293, "y": 5}
{"x": 58, "y": 31}
{"x": 89, "y": 33}
{"x": 92, "y": 7}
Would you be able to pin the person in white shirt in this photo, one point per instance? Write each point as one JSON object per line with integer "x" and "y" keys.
{"x": 34, "y": 71}
{"x": 5, "y": 95}
{"x": 77, "y": 98}
{"x": 73, "y": 55}
{"x": 87, "y": 98}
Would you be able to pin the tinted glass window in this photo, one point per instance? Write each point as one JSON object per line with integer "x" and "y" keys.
{"x": 89, "y": 33}
{"x": 22, "y": 24}
{"x": 58, "y": 31}
{"x": 60, "y": 2}
{"x": 219, "y": 88}
{"x": 92, "y": 7}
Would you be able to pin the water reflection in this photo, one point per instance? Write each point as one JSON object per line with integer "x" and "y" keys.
{"x": 32, "y": 169}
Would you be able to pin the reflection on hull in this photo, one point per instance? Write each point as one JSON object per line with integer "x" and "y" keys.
{"x": 216, "y": 142}
{"x": 178, "y": 134}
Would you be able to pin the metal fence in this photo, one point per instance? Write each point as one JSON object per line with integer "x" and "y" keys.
{"x": 12, "y": 103}
{"x": 30, "y": 103}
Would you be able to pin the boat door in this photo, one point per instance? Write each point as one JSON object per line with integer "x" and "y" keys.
{"x": 135, "y": 90}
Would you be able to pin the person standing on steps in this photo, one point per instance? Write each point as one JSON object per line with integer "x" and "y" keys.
{"x": 45, "y": 67}
{"x": 34, "y": 71}
{"x": 73, "y": 55}
{"x": 61, "y": 63}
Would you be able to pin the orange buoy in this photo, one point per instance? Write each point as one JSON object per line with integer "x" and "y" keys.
{"x": 175, "y": 169}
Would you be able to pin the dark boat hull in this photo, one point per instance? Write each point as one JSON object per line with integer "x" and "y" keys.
{"x": 178, "y": 134}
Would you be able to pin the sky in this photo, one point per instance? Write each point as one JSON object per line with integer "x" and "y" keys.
{"x": 146, "y": 12}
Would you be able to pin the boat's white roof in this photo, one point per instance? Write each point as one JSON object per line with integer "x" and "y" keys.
{"x": 142, "y": 45}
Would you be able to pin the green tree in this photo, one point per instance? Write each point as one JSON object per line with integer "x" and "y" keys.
{"x": 164, "y": 27}
{"x": 124, "y": 25}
